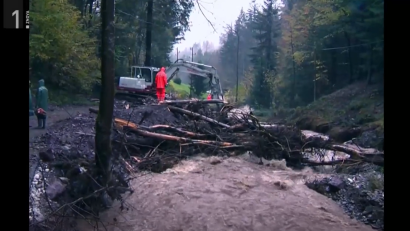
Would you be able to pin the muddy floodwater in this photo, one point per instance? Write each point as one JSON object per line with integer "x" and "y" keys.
{"x": 222, "y": 194}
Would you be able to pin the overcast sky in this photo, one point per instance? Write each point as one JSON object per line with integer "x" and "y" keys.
{"x": 219, "y": 13}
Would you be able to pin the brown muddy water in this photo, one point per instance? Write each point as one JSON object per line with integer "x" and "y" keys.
{"x": 222, "y": 194}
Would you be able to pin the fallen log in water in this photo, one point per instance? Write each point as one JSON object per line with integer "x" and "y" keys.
{"x": 134, "y": 128}
{"x": 210, "y": 101}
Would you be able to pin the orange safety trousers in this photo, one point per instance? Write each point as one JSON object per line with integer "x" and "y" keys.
{"x": 161, "y": 94}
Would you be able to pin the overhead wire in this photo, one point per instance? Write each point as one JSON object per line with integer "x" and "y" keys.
{"x": 357, "y": 45}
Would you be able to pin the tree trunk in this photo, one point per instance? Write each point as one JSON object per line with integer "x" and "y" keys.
{"x": 370, "y": 65}
{"x": 103, "y": 124}
{"x": 140, "y": 38}
{"x": 294, "y": 69}
{"x": 349, "y": 53}
{"x": 237, "y": 67}
{"x": 315, "y": 75}
{"x": 148, "y": 39}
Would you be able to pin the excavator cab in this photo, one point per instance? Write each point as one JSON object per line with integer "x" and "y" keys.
{"x": 140, "y": 81}
{"x": 146, "y": 73}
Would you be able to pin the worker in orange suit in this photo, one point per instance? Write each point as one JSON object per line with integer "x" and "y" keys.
{"x": 209, "y": 97}
{"x": 161, "y": 83}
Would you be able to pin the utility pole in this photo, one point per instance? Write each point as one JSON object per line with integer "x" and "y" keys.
{"x": 177, "y": 53}
{"x": 192, "y": 83}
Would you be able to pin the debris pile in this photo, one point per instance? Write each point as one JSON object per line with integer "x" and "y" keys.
{"x": 156, "y": 137}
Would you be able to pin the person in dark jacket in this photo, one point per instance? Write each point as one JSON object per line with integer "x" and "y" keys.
{"x": 41, "y": 104}
{"x": 161, "y": 82}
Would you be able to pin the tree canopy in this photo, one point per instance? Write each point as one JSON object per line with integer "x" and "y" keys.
{"x": 289, "y": 55}
{"x": 65, "y": 38}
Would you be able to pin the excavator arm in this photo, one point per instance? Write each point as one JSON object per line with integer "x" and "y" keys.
{"x": 172, "y": 75}
{"x": 197, "y": 70}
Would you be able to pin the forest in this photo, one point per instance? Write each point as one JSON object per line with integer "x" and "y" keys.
{"x": 291, "y": 54}
{"x": 281, "y": 55}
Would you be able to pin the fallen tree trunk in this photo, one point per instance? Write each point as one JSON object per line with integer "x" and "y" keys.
{"x": 190, "y": 113}
{"x": 374, "y": 157}
{"x": 93, "y": 110}
{"x": 352, "y": 150}
{"x": 133, "y": 127}
{"x": 333, "y": 162}
{"x": 177, "y": 130}
{"x": 193, "y": 101}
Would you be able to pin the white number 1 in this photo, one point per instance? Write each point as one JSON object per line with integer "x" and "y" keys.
{"x": 16, "y": 13}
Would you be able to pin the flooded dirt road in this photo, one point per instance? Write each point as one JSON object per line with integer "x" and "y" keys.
{"x": 221, "y": 194}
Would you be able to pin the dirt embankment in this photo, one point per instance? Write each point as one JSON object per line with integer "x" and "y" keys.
{"x": 356, "y": 111}
{"x": 225, "y": 194}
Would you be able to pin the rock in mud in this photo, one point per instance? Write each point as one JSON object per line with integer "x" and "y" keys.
{"x": 55, "y": 189}
{"x": 215, "y": 160}
{"x": 47, "y": 155}
{"x": 335, "y": 184}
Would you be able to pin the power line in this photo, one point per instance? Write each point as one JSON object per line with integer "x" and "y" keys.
{"x": 358, "y": 45}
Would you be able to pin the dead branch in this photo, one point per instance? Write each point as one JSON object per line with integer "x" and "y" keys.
{"x": 333, "y": 162}
{"x": 357, "y": 152}
{"x": 190, "y": 113}
{"x": 177, "y": 130}
{"x": 193, "y": 101}
{"x": 177, "y": 138}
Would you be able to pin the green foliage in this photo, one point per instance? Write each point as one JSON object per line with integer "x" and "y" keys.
{"x": 61, "y": 51}
{"x": 178, "y": 80}
{"x": 172, "y": 86}
{"x": 65, "y": 38}
{"x": 242, "y": 94}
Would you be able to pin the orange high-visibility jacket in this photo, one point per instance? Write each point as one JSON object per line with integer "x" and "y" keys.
{"x": 161, "y": 78}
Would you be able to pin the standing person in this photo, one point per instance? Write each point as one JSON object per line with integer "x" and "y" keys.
{"x": 161, "y": 83}
{"x": 209, "y": 97}
{"x": 41, "y": 104}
